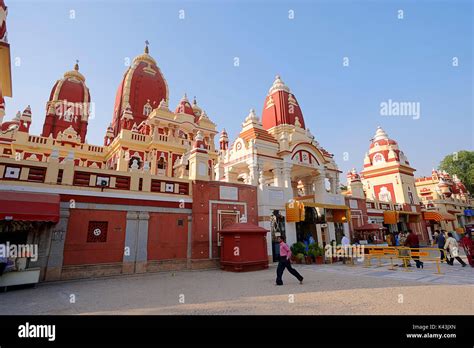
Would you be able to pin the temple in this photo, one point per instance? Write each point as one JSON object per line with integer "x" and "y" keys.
{"x": 387, "y": 194}
{"x": 155, "y": 193}
{"x": 294, "y": 174}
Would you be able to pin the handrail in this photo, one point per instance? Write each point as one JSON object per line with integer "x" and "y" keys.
{"x": 402, "y": 253}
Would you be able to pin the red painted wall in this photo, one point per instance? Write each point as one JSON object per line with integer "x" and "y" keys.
{"x": 203, "y": 192}
{"x": 77, "y": 251}
{"x": 167, "y": 240}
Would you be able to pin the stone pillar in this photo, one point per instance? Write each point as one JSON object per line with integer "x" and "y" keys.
{"x": 189, "y": 253}
{"x": 286, "y": 172}
{"x": 308, "y": 186}
{"x": 290, "y": 231}
{"x": 53, "y": 168}
{"x": 319, "y": 187}
{"x": 142, "y": 242}
{"x": 68, "y": 172}
{"x": 54, "y": 263}
{"x": 337, "y": 183}
{"x": 129, "y": 254}
{"x": 122, "y": 161}
{"x": 277, "y": 176}
{"x": 253, "y": 174}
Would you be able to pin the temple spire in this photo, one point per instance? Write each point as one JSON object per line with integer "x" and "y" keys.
{"x": 146, "y": 47}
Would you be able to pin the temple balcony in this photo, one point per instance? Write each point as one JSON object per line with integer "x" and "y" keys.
{"x": 53, "y": 176}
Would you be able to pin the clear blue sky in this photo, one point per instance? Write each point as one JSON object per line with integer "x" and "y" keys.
{"x": 402, "y": 60}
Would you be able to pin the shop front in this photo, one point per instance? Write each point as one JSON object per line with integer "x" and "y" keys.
{"x": 436, "y": 220}
{"x": 320, "y": 222}
{"x": 26, "y": 223}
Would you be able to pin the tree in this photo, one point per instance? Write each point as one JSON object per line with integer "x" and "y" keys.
{"x": 460, "y": 163}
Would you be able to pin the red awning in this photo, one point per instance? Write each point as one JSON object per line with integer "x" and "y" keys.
{"x": 438, "y": 216}
{"x": 28, "y": 206}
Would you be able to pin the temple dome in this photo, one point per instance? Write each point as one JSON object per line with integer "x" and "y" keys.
{"x": 184, "y": 107}
{"x": 281, "y": 107}
{"x": 382, "y": 138}
{"x": 383, "y": 149}
{"x": 72, "y": 87}
{"x": 143, "y": 86}
{"x": 68, "y": 105}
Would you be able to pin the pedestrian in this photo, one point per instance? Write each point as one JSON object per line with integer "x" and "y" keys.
{"x": 435, "y": 238}
{"x": 390, "y": 240}
{"x": 345, "y": 242}
{"x": 452, "y": 247}
{"x": 414, "y": 243}
{"x": 3, "y": 258}
{"x": 397, "y": 239}
{"x": 468, "y": 246}
{"x": 402, "y": 252}
{"x": 284, "y": 262}
{"x": 441, "y": 242}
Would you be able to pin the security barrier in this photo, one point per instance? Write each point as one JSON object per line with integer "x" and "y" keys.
{"x": 404, "y": 254}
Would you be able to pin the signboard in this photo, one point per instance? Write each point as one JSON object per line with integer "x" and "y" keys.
{"x": 228, "y": 193}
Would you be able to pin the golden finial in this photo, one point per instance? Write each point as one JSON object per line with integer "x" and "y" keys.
{"x": 76, "y": 66}
{"x": 146, "y": 46}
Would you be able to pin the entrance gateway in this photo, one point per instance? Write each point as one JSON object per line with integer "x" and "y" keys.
{"x": 320, "y": 222}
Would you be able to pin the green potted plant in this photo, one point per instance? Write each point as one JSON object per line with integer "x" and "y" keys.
{"x": 307, "y": 257}
{"x": 318, "y": 253}
{"x": 297, "y": 248}
{"x": 299, "y": 258}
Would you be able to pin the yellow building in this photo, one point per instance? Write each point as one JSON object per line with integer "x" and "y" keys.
{"x": 445, "y": 202}
{"x": 389, "y": 185}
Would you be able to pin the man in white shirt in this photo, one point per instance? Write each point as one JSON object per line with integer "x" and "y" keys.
{"x": 452, "y": 247}
{"x": 345, "y": 240}
{"x": 345, "y": 246}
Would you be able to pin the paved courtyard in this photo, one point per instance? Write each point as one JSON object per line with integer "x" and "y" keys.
{"x": 327, "y": 289}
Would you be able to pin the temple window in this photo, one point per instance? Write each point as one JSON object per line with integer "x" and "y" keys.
{"x": 147, "y": 109}
{"x": 327, "y": 184}
{"x": 378, "y": 158}
{"x": 162, "y": 163}
{"x": 135, "y": 162}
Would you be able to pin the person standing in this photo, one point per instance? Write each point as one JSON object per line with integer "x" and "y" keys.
{"x": 403, "y": 253}
{"x": 435, "y": 238}
{"x": 441, "y": 242}
{"x": 414, "y": 243}
{"x": 468, "y": 246}
{"x": 452, "y": 247}
{"x": 345, "y": 242}
{"x": 284, "y": 262}
{"x": 3, "y": 258}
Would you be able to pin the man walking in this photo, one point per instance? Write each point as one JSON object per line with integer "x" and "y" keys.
{"x": 345, "y": 242}
{"x": 452, "y": 247}
{"x": 284, "y": 262}
{"x": 441, "y": 242}
{"x": 414, "y": 243}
